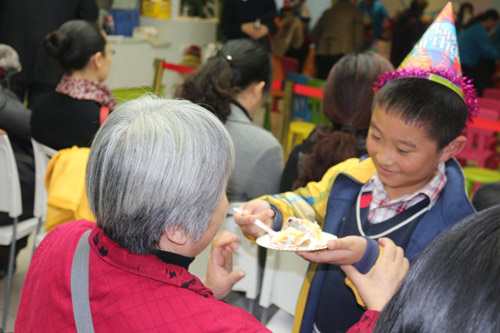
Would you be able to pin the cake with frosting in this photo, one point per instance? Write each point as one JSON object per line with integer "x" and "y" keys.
{"x": 298, "y": 232}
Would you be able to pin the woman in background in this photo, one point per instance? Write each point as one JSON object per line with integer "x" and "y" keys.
{"x": 348, "y": 96}
{"x": 233, "y": 85}
{"x": 71, "y": 114}
{"x": 15, "y": 121}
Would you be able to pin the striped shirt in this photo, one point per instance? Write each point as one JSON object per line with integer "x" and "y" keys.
{"x": 383, "y": 208}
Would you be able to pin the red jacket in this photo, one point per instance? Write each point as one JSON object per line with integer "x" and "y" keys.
{"x": 128, "y": 292}
{"x": 366, "y": 323}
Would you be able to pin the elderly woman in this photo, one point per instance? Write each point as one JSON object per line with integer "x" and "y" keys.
{"x": 156, "y": 180}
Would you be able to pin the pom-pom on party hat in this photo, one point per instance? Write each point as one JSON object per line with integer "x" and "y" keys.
{"x": 435, "y": 57}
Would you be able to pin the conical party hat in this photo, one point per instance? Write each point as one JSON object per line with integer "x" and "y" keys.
{"x": 438, "y": 46}
{"x": 435, "y": 57}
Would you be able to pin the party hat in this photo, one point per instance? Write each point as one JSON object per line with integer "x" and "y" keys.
{"x": 435, "y": 57}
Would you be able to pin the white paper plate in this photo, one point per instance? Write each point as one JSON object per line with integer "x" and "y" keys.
{"x": 265, "y": 241}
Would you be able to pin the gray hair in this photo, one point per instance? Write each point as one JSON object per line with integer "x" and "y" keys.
{"x": 157, "y": 164}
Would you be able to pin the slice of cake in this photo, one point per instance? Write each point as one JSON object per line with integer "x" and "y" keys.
{"x": 299, "y": 232}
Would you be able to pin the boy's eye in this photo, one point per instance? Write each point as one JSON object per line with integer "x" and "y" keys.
{"x": 401, "y": 151}
{"x": 374, "y": 137}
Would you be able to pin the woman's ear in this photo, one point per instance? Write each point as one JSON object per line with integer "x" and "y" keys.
{"x": 259, "y": 89}
{"x": 97, "y": 60}
{"x": 453, "y": 148}
{"x": 176, "y": 236}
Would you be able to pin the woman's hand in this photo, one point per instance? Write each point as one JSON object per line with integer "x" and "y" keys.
{"x": 343, "y": 251}
{"x": 378, "y": 285}
{"x": 252, "y": 210}
{"x": 220, "y": 275}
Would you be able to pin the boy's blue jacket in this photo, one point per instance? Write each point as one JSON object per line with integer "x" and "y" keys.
{"x": 328, "y": 201}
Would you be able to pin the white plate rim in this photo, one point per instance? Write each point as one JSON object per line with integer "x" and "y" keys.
{"x": 265, "y": 241}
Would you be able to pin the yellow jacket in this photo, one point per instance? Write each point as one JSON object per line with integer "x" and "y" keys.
{"x": 65, "y": 183}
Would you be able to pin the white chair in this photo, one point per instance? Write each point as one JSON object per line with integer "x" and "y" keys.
{"x": 10, "y": 202}
{"x": 42, "y": 155}
{"x": 284, "y": 274}
{"x": 245, "y": 258}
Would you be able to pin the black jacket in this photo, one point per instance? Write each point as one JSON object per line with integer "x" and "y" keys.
{"x": 25, "y": 23}
{"x": 60, "y": 121}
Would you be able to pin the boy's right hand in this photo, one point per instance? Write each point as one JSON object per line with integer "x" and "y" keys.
{"x": 252, "y": 210}
{"x": 342, "y": 251}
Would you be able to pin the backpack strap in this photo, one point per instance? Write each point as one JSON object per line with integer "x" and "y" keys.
{"x": 80, "y": 286}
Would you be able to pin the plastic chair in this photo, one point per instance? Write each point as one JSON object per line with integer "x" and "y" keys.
{"x": 10, "y": 202}
{"x": 298, "y": 132}
{"x": 475, "y": 176}
{"x": 492, "y": 93}
{"x": 284, "y": 274}
{"x": 317, "y": 104}
{"x": 489, "y": 103}
{"x": 245, "y": 258}
{"x": 300, "y": 103}
{"x": 481, "y": 144}
{"x": 42, "y": 155}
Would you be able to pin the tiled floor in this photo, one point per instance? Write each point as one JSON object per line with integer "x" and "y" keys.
{"x": 279, "y": 322}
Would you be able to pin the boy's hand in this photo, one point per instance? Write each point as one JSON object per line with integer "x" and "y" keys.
{"x": 252, "y": 210}
{"x": 378, "y": 285}
{"x": 220, "y": 275}
{"x": 343, "y": 251}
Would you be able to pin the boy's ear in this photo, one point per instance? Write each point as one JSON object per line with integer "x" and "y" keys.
{"x": 453, "y": 148}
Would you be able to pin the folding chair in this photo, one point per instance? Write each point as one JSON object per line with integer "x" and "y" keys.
{"x": 42, "y": 155}
{"x": 481, "y": 144}
{"x": 10, "y": 202}
{"x": 284, "y": 274}
{"x": 245, "y": 258}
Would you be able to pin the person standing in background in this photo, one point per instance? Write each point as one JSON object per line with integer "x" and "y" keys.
{"x": 339, "y": 31}
{"x": 249, "y": 19}
{"x": 375, "y": 12}
{"x": 23, "y": 25}
{"x": 477, "y": 53}
{"x": 464, "y": 16}
{"x": 407, "y": 31}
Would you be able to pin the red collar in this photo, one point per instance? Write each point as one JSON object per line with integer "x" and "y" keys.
{"x": 147, "y": 265}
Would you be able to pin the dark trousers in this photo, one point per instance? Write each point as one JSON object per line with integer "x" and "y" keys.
{"x": 324, "y": 64}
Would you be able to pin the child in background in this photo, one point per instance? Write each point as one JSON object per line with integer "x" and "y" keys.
{"x": 410, "y": 189}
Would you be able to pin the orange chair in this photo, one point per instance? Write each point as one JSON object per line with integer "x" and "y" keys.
{"x": 481, "y": 144}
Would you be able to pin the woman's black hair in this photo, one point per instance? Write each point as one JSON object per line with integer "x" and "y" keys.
{"x": 454, "y": 285}
{"x": 216, "y": 83}
{"x": 433, "y": 106}
{"x": 74, "y": 43}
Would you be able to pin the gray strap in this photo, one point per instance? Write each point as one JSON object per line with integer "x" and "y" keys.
{"x": 80, "y": 286}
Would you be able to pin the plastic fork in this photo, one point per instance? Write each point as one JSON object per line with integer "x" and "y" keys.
{"x": 258, "y": 223}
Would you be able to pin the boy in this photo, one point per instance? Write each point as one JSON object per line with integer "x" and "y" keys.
{"x": 410, "y": 189}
